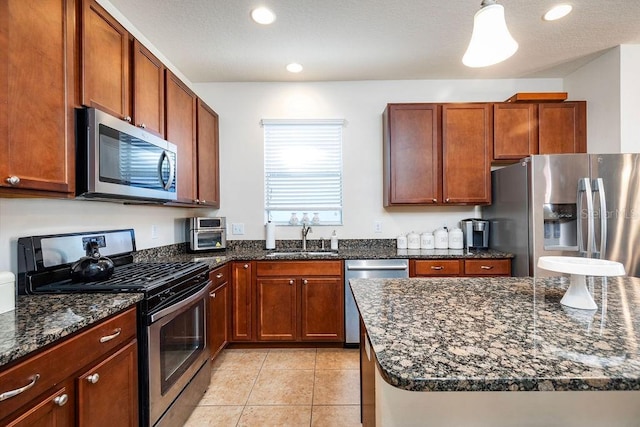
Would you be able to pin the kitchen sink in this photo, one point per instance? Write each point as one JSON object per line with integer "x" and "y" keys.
{"x": 302, "y": 254}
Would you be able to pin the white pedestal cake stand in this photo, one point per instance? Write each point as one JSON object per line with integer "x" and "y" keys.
{"x": 578, "y": 296}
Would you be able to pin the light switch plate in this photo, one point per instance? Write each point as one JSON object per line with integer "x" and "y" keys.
{"x": 377, "y": 226}
{"x": 237, "y": 228}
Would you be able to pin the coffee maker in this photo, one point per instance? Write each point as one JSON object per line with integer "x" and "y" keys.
{"x": 475, "y": 233}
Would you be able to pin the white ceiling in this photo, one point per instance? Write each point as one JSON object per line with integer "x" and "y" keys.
{"x": 336, "y": 40}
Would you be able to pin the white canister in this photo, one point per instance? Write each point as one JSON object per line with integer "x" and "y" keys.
{"x": 413, "y": 240}
{"x": 7, "y": 291}
{"x": 401, "y": 242}
{"x": 456, "y": 241}
{"x": 441, "y": 237}
{"x": 427, "y": 240}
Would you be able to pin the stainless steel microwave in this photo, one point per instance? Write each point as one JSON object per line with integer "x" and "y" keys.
{"x": 116, "y": 160}
{"x": 206, "y": 233}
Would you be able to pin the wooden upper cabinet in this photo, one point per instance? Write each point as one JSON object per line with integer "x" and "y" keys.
{"x": 208, "y": 156}
{"x": 104, "y": 61}
{"x": 148, "y": 90}
{"x": 467, "y": 133}
{"x": 412, "y": 154}
{"x": 37, "y": 146}
{"x": 563, "y": 127}
{"x": 181, "y": 131}
{"x": 515, "y": 131}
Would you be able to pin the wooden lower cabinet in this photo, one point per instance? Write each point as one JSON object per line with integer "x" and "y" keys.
{"x": 89, "y": 379}
{"x": 300, "y": 301}
{"x": 242, "y": 301}
{"x": 108, "y": 391}
{"x": 218, "y": 310}
{"x": 460, "y": 267}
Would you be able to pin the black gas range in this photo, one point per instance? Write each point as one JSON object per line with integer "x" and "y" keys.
{"x": 173, "y": 354}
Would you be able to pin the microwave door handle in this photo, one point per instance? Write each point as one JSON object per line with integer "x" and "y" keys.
{"x": 598, "y": 186}
{"x": 163, "y": 156}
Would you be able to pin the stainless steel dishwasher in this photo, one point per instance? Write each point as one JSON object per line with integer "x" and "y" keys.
{"x": 366, "y": 269}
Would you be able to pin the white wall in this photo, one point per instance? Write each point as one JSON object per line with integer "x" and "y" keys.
{"x": 630, "y": 98}
{"x": 241, "y": 106}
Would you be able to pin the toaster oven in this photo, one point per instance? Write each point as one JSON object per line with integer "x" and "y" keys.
{"x": 206, "y": 233}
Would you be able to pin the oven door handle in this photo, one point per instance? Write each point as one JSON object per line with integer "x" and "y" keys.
{"x": 185, "y": 302}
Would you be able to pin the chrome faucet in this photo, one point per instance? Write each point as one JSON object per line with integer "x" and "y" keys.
{"x": 305, "y": 230}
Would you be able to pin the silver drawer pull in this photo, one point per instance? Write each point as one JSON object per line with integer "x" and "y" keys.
{"x": 110, "y": 337}
{"x": 486, "y": 267}
{"x": 9, "y": 394}
{"x": 61, "y": 400}
{"x": 219, "y": 275}
{"x": 93, "y": 378}
{"x": 437, "y": 267}
{"x": 212, "y": 294}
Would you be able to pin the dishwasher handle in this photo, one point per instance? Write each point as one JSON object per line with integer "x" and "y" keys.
{"x": 376, "y": 267}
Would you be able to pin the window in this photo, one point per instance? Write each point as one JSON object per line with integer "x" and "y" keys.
{"x": 303, "y": 171}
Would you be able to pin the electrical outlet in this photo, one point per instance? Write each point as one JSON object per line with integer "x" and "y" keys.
{"x": 237, "y": 228}
{"x": 154, "y": 231}
{"x": 377, "y": 226}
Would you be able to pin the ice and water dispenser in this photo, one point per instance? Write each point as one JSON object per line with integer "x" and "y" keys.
{"x": 560, "y": 226}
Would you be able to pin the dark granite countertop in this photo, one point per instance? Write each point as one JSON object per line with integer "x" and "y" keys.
{"x": 218, "y": 258}
{"x": 501, "y": 334}
{"x": 39, "y": 320}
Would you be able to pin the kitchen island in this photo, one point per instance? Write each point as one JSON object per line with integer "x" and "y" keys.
{"x": 499, "y": 351}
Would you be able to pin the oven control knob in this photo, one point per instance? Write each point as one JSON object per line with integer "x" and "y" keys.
{"x": 93, "y": 378}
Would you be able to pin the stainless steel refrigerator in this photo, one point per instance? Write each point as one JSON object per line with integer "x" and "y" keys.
{"x": 567, "y": 204}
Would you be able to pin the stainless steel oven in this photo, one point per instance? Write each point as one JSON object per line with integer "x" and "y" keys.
{"x": 206, "y": 234}
{"x": 178, "y": 355}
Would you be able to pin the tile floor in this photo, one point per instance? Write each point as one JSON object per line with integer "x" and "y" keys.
{"x": 282, "y": 387}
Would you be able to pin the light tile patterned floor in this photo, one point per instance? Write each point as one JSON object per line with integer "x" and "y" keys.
{"x": 282, "y": 387}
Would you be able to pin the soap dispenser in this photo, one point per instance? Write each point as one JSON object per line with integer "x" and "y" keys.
{"x": 334, "y": 241}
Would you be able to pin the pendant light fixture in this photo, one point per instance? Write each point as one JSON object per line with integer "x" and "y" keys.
{"x": 490, "y": 42}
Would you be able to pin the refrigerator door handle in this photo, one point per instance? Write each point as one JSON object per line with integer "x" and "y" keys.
{"x": 584, "y": 189}
{"x": 598, "y": 186}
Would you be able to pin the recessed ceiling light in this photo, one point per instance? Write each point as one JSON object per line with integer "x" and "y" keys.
{"x": 557, "y": 12}
{"x": 294, "y": 68}
{"x": 262, "y": 15}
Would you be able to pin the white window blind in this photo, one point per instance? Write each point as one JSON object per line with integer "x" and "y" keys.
{"x": 303, "y": 170}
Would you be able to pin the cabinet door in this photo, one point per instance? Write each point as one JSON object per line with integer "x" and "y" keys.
{"x": 467, "y": 136}
{"x": 276, "y": 306}
{"x": 105, "y": 61}
{"x": 515, "y": 131}
{"x": 56, "y": 409}
{"x": 218, "y": 319}
{"x": 563, "y": 127}
{"x": 181, "y": 131}
{"x": 412, "y": 160}
{"x": 208, "y": 156}
{"x": 241, "y": 302}
{"x": 37, "y": 96}
{"x": 322, "y": 314}
{"x": 108, "y": 392}
{"x": 148, "y": 90}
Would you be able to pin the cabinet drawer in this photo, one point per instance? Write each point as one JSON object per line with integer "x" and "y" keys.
{"x": 299, "y": 268}
{"x": 49, "y": 367}
{"x": 447, "y": 267}
{"x": 219, "y": 276}
{"x": 487, "y": 267}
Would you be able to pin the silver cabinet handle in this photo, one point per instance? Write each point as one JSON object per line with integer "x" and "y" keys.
{"x": 448, "y": 199}
{"x": 437, "y": 267}
{"x": 61, "y": 400}
{"x": 212, "y": 294}
{"x": 112, "y": 336}
{"x": 486, "y": 267}
{"x": 219, "y": 275}
{"x": 142, "y": 125}
{"x": 203, "y": 201}
{"x": 291, "y": 282}
{"x": 13, "y": 180}
{"x": 93, "y": 378}
{"x": 435, "y": 200}
{"x": 11, "y": 393}
{"x": 127, "y": 119}
{"x": 246, "y": 266}
{"x": 305, "y": 282}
